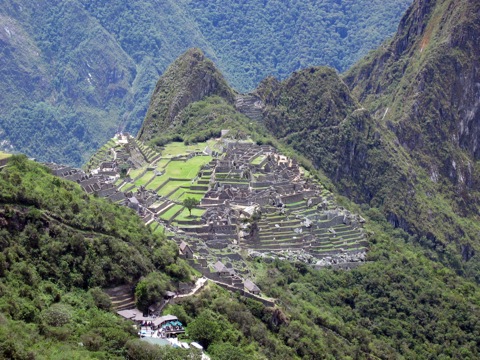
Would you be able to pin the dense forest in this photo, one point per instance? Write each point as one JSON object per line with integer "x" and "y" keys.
{"x": 255, "y": 39}
{"x": 76, "y": 72}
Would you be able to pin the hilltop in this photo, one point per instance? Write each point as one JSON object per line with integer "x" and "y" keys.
{"x": 231, "y": 242}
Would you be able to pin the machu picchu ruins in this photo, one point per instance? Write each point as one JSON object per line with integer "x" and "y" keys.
{"x": 252, "y": 202}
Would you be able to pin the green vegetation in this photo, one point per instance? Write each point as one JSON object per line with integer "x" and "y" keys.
{"x": 255, "y": 39}
{"x": 314, "y": 112}
{"x": 258, "y": 160}
{"x": 190, "y": 78}
{"x": 400, "y": 304}
{"x": 167, "y": 215}
{"x": 190, "y": 203}
{"x": 176, "y": 148}
{"x": 416, "y": 297}
{"x": 77, "y": 71}
{"x": 189, "y": 214}
{"x": 186, "y": 169}
{"x": 205, "y": 119}
{"x": 57, "y": 246}
{"x": 222, "y": 321}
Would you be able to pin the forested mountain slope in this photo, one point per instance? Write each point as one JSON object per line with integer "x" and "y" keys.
{"x": 58, "y": 246}
{"x": 408, "y": 145}
{"x": 406, "y": 301}
{"x": 190, "y": 78}
{"x": 74, "y": 72}
{"x": 424, "y": 88}
{"x": 253, "y": 39}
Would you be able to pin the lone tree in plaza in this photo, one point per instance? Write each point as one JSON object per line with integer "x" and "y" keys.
{"x": 190, "y": 203}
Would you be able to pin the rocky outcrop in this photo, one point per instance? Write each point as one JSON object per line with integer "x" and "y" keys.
{"x": 424, "y": 86}
{"x": 190, "y": 78}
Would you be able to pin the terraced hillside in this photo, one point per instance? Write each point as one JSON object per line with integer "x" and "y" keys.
{"x": 252, "y": 200}
{"x": 261, "y": 201}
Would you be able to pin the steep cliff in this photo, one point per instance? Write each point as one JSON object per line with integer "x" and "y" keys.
{"x": 424, "y": 87}
{"x": 413, "y": 151}
{"x": 192, "y": 77}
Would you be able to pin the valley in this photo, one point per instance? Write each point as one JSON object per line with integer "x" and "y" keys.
{"x": 86, "y": 68}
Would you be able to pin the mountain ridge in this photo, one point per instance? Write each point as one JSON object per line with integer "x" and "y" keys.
{"x": 91, "y": 66}
{"x": 363, "y": 146}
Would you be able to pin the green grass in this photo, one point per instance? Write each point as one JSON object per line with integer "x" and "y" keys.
{"x": 170, "y": 212}
{"x": 4, "y": 155}
{"x": 258, "y": 160}
{"x": 185, "y": 215}
{"x": 135, "y": 172}
{"x": 180, "y": 170}
{"x": 159, "y": 230}
{"x": 157, "y": 181}
{"x": 144, "y": 179}
{"x": 187, "y": 169}
{"x": 161, "y": 163}
{"x": 172, "y": 185}
{"x": 196, "y": 195}
{"x": 177, "y": 195}
{"x": 297, "y": 203}
{"x": 179, "y": 148}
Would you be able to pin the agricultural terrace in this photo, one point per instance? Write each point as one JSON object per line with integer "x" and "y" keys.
{"x": 178, "y": 169}
{"x": 258, "y": 160}
{"x": 4, "y": 155}
{"x": 179, "y": 148}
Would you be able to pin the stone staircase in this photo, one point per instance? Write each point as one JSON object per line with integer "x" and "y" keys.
{"x": 250, "y": 106}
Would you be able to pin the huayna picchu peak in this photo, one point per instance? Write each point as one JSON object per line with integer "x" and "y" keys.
{"x": 190, "y": 78}
{"x": 322, "y": 215}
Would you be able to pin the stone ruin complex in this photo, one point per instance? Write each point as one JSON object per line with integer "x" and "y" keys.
{"x": 255, "y": 201}
{"x": 260, "y": 201}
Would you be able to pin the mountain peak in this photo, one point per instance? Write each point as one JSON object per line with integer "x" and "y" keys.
{"x": 190, "y": 78}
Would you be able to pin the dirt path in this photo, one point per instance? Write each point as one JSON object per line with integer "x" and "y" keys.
{"x": 198, "y": 285}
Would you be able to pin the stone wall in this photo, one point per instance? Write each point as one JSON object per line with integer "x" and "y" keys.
{"x": 244, "y": 293}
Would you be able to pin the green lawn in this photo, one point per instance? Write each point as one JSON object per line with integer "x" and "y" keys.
{"x": 144, "y": 179}
{"x": 157, "y": 181}
{"x": 181, "y": 170}
{"x": 187, "y": 169}
{"x": 170, "y": 212}
{"x": 178, "y": 195}
{"x": 196, "y": 195}
{"x": 135, "y": 172}
{"x": 179, "y": 148}
{"x": 161, "y": 163}
{"x": 185, "y": 215}
{"x": 159, "y": 229}
{"x": 258, "y": 160}
{"x": 172, "y": 185}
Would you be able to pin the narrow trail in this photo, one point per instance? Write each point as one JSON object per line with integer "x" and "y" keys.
{"x": 198, "y": 285}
